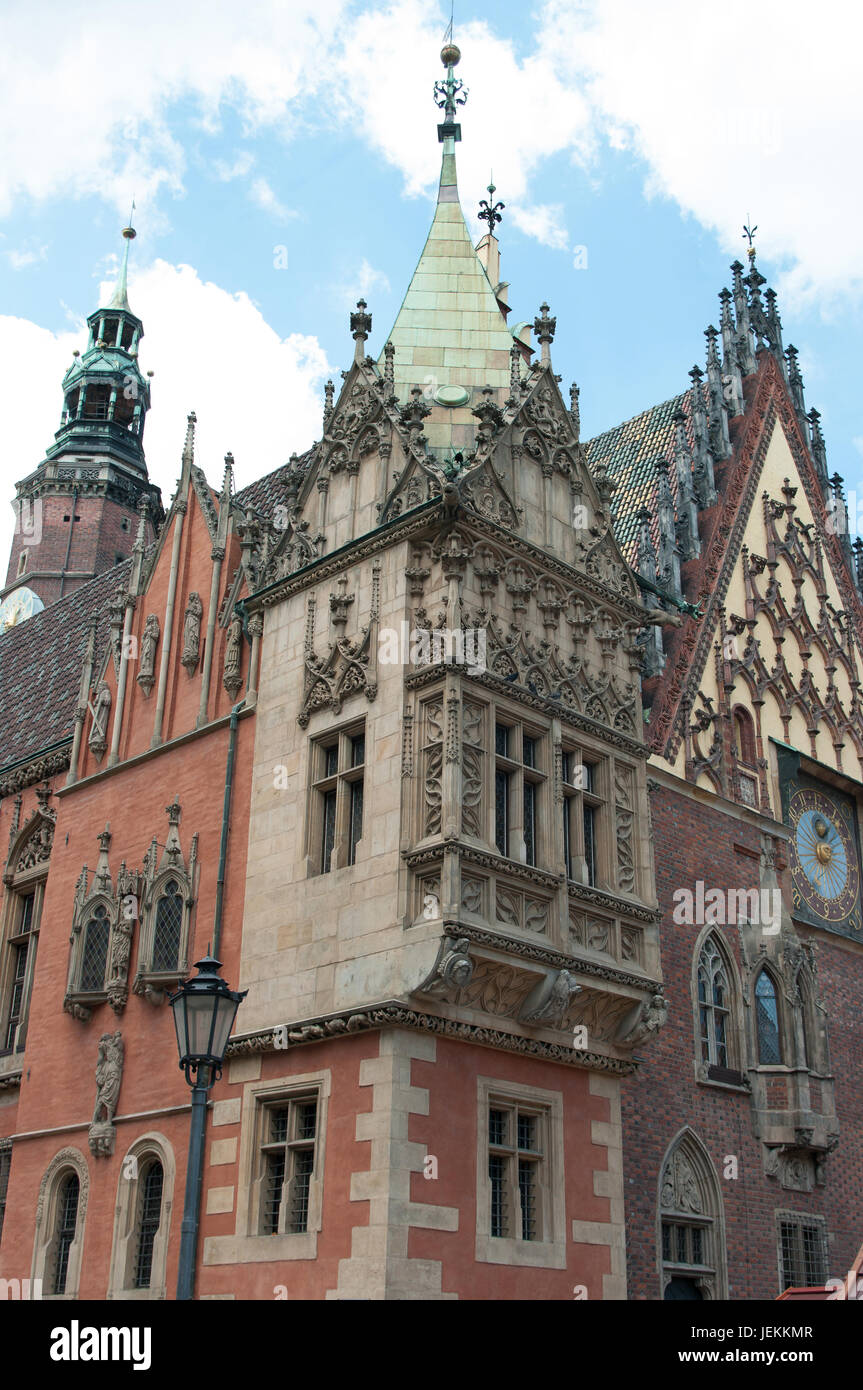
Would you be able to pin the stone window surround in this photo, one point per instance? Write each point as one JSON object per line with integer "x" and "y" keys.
{"x": 501, "y": 1250}
{"x": 713, "y": 1280}
{"x": 145, "y": 975}
{"x": 124, "y": 1242}
{"x": 734, "y": 1029}
{"x": 66, "y": 1161}
{"x": 341, "y": 734}
{"x": 246, "y": 1246}
{"x": 27, "y": 881}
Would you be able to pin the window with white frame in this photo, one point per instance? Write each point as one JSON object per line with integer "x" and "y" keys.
{"x": 714, "y": 1006}
{"x": 338, "y": 793}
{"x": 287, "y": 1152}
{"x": 520, "y": 1179}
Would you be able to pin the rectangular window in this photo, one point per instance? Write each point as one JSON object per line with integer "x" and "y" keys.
{"x": 519, "y": 779}
{"x": 802, "y": 1251}
{"x": 18, "y": 962}
{"x": 290, "y": 1131}
{"x": 516, "y": 1171}
{"x": 582, "y": 809}
{"x": 338, "y": 798}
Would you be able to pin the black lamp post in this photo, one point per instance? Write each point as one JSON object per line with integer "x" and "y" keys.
{"x": 204, "y": 1010}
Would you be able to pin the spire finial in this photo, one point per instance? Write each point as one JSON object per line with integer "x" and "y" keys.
{"x": 451, "y": 92}
{"x": 489, "y": 212}
{"x": 361, "y": 327}
{"x": 119, "y": 299}
{"x": 748, "y": 234}
{"x": 544, "y": 328}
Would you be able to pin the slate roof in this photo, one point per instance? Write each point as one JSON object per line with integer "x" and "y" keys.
{"x": 629, "y": 452}
{"x": 40, "y": 667}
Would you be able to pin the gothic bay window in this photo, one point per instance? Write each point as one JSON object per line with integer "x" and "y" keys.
{"x": 94, "y": 953}
{"x": 518, "y": 789}
{"x": 767, "y": 1021}
{"x": 287, "y": 1164}
{"x": 168, "y": 928}
{"x": 336, "y": 820}
{"x": 582, "y": 809}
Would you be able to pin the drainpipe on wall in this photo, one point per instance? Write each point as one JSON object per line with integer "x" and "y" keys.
{"x": 226, "y": 817}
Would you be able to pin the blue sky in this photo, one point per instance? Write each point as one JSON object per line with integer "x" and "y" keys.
{"x": 241, "y": 130}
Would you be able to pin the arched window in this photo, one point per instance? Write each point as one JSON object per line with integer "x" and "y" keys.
{"x": 691, "y": 1232}
{"x": 66, "y": 1226}
{"x": 143, "y": 1218}
{"x": 149, "y": 1220}
{"x": 168, "y": 928}
{"x": 744, "y": 736}
{"x": 714, "y": 1006}
{"x": 60, "y": 1212}
{"x": 94, "y": 954}
{"x": 767, "y": 1021}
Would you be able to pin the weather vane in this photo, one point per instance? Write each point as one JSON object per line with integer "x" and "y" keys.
{"x": 749, "y": 233}
{"x": 489, "y": 213}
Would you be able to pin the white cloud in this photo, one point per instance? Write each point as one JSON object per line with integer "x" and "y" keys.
{"x": 19, "y": 260}
{"x": 225, "y": 172}
{"x": 265, "y": 197}
{"x": 361, "y": 285}
{"x": 751, "y": 109}
{"x": 545, "y": 222}
{"x": 257, "y": 395}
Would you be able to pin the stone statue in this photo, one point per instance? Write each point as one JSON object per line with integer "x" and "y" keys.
{"x": 549, "y": 1002}
{"x": 109, "y": 1074}
{"x": 650, "y": 1018}
{"x": 192, "y": 632}
{"x": 101, "y": 708}
{"x": 149, "y": 642}
{"x": 232, "y": 678}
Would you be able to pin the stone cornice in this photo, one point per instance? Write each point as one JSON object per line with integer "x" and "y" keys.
{"x": 37, "y": 769}
{"x": 393, "y": 1013}
{"x": 11, "y": 1081}
{"x": 556, "y": 709}
{"x": 546, "y": 955}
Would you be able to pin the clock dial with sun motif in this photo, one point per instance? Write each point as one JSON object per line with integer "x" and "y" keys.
{"x": 825, "y": 868}
{"x": 18, "y": 606}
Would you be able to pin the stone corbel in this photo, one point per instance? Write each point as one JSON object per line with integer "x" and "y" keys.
{"x": 549, "y": 1001}
{"x": 452, "y": 971}
{"x": 643, "y": 1021}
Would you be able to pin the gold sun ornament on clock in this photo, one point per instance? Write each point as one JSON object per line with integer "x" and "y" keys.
{"x": 825, "y": 869}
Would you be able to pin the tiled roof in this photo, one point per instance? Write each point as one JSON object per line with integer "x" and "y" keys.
{"x": 629, "y": 452}
{"x": 40, "y": 667}
{"x": 266, "y": 492}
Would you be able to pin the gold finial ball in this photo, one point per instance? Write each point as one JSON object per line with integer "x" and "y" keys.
{"x": 450, "y": 55}
{"x": 129, "y": 233}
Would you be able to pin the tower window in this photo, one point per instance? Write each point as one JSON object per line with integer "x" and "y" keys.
{"x": 22, "y": 562}
{"x": 124, "y": 524}
{"x": 338, "y": 796}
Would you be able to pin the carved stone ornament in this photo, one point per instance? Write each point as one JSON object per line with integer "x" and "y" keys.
{"x": 233, "y": 678}
{"x": 453, "y": 969}
{"x": 149, "y": 643}
{"x": 100, "y": 709}
{"x": 109, "y": 1075}
{"x": 348, "y": 666}
{"x": 548, "y": 1002}
{"x": 192, "y": 633}
{"x": 642, "y": 1022}
{"x": 680, "y": 1190}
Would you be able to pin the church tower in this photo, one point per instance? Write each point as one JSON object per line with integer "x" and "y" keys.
{"x": 75, "y": 515}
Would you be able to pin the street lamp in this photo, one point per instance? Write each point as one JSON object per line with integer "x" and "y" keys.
{"x": 204, "y": 1010}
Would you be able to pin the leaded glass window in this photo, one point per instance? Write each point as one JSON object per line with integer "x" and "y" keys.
{"x": 767, "y": 1021}
{"x": 169, "y": 927}
{"x": 713, "y": 1005}
{"x": 94, "y": 953}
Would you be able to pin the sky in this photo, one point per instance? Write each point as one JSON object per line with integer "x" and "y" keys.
{"x": 283, "y": 161}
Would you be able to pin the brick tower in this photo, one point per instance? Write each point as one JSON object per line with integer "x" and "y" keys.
{"x": 75, "y": 514}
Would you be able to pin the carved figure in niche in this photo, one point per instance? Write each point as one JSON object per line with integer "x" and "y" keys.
{"x": 149, "y": 642}
{"x": 101, "y": 708}
{"x": 109, "y": 1074}
{"x": 232, "y": 678}
{"x": 192, "y": 632}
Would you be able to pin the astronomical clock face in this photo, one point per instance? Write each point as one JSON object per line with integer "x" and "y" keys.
{"x": 825, "y": 867}
{"x": 17, "y": 607}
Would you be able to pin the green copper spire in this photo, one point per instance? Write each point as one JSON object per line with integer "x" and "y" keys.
{"x": 119, "y": 299}
{"x": 450, "y": 331}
